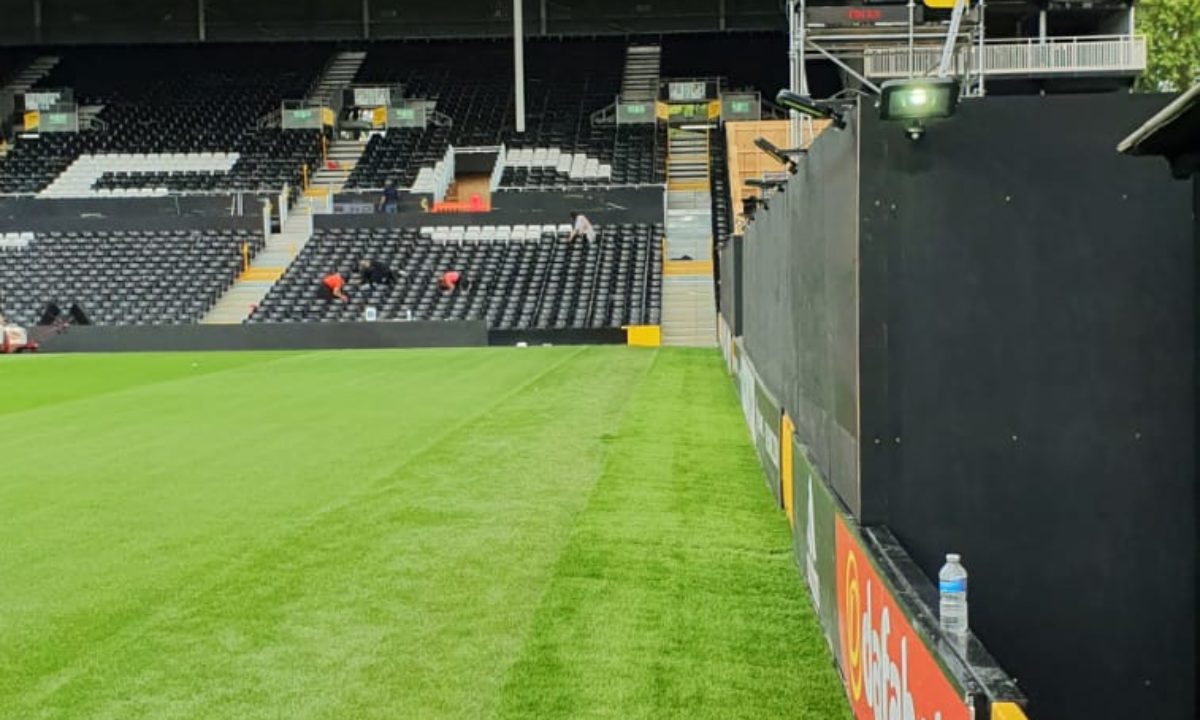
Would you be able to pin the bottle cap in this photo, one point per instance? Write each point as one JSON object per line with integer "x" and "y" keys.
{"x": 953, "y": 557}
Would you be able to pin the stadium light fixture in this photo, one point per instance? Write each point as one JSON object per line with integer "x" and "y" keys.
{"x": 916, "y": 100}
{"x": 805, "y": 105}
{"x": 767, "y": 185}
{"x": 780, "y": 156}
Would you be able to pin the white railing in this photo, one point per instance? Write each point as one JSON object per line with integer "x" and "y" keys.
{"x": 1088, "y": 54}
{"x": 498, "y": 169}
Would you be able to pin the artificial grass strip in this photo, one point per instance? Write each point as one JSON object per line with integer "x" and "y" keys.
{"x": 452, "y": 533}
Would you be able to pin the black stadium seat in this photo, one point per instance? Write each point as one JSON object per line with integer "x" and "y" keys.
{"x": 166, "y": 99}
{"x": 123, "y": 278}
{"x": 520, "y": 277}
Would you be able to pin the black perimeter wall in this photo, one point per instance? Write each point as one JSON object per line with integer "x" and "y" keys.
{"x": 799, "y": 306}
{"x": 1022, "y": 327}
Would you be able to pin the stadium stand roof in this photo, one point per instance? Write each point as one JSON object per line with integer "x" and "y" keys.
{"x": 1173, "y": 132}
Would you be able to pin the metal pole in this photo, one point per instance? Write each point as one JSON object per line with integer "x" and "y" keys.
{"x": 542, "y": 16}
{"x": 366, "y": 19}
{"x": 201, "y": 20}
{"x": 37, "y": 20}
{"x": 721, "y": 15}
{"x": 912, "y": 11}
{"x": 1042, "y": 25}
{"x": 519, "y": 62}
{"x": 982, "y": 57}
{"x": 793, "y": 73}
{"x": 849, "y": 70}
{"x": 802, "y": 70}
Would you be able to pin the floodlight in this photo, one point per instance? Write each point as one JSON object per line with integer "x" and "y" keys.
{"x": 780, "y": 156}
{"x": 779, "y": 185}
{"x": 807, "y": 106}
{"x": 918, "y": 99}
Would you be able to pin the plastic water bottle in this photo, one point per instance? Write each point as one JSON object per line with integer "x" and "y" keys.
{"x": 952, "y": 588}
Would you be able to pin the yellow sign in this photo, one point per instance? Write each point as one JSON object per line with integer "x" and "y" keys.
{"x": 31, "y": 120}
{"x": 942, "y": 4}
{"x": 643, "y": 335}
{"x": 785, "y": 466}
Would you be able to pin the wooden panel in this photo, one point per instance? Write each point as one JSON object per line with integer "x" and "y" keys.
{"x": 746, "y": 161}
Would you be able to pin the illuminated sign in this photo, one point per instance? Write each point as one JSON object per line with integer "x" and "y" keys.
{"x": 843, "y": 15}
{"x": 687, "y": 91}
{"x": 630, "y": 112}
{"x": 372, "y": 96}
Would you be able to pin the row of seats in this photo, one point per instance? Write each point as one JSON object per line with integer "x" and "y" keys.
{"x": 178, "y": 99}
{"x": 520, "y": 277}
{"x": 471, "y": 82}
{"x": 123, "y": 278}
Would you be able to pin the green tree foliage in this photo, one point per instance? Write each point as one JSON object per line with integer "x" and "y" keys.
{"x": 1173, "y": 30}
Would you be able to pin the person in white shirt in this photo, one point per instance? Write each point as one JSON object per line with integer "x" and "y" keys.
{"x": 581, "y": 227}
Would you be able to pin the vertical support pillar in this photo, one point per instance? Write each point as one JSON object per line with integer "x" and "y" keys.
{"x": 982, "y": 49}
{"x": 793, "y": 71}
{"x": 542, "y": 15}
{"x": 201, "y": 20}
{"x": 366, "y": 19}
{"x": 1042, "y": 24}
{"x": 912, "y": 15}
{"x": 519, "y": 62}
{"x": 721, "y": 15}
{"x": 37, "y": 20}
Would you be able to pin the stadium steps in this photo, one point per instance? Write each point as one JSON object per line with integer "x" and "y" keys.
{"x": 689, "y": 312}
{"x": 687, "y": 160}
{"x": 643, "y": 64}
{"x": 32, "y": 73}
{"x": 689, "y": 316}
{"x": 267, "y": 267}
{"x": 338, "y": 74}
{"x": 344, "y": 156}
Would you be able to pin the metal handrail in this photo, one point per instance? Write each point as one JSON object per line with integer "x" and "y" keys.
{"x": 1018, "y": 56}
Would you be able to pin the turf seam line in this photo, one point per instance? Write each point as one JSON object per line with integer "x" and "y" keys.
{"x": 601, "y": 467}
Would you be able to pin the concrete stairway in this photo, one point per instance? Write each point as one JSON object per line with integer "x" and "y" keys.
{"x": 344, "y": 154}
{"x": 643, "y": 63}
{"x": 32, "y": 73}
{"x": 689, "y": 301}
{"x": 339, "y": 73}
{"x": 687, "y": 160}
{"x": 235, "y": 306}
{"x": 689, "y": 310}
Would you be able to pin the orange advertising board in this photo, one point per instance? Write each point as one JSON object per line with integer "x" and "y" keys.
{"x": 889, "y": 672}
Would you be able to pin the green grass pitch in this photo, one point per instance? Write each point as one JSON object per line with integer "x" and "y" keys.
{"x": 509, "y": 533}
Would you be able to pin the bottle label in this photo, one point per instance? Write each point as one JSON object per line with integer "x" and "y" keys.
{"x": 953, "y": 586}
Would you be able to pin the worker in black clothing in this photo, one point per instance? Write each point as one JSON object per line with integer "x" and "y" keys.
{"x": 375, "y": 272}
{"x": 389, "y": 202}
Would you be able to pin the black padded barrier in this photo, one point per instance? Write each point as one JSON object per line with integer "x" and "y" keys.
{"x": 1007, "y": 310}
{"x": 263, "y": 336}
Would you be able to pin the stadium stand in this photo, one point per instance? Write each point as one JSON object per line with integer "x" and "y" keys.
{"x": 522, "y": 276}
{"x": 120, "y": 278}
{"x": 471, "y": 81}
{"x": 165, "y": 104}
